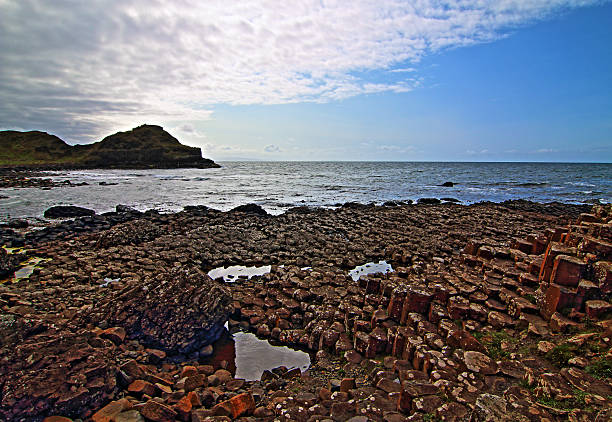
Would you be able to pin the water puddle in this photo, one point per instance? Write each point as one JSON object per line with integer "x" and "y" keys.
{"x": 26, "y": 269}
{"x": 370, "y": 268}
{"x": 248, "y": 356}
{"x": 231, "y": 274}
{"x": 14, "y": 251}
{"x": 108, "y": 281}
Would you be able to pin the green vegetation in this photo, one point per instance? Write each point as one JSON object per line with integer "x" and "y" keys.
{"x": 601, "y": 368}
{"x": 561, "y": 354}
{"x": 430, "y": 417}
{"x": 492, "y": 341}
{"x": 578, "y": 401}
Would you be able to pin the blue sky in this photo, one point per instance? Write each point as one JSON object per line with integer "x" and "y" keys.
{"x": 492, "y": 81}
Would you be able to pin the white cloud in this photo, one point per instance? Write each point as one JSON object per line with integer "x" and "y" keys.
{"x": 403, "y": 70}
{"x": 272, "y": 148}
{"x": 82, "y": 68}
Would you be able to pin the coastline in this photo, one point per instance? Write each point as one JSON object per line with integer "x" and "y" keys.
{"x": 458, "y": 264}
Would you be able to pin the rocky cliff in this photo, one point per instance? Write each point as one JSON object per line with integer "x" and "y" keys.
{"x": 146, "y": 146}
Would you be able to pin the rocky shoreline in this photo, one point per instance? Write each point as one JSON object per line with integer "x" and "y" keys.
{"x": 493, "y": 312}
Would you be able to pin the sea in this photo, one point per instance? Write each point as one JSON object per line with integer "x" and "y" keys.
{"x": 278, "y": 186}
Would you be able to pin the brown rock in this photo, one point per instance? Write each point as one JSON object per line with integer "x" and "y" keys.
{"x": 111, "y": 410}
{"x": 133, "y": 369}
{"x": 129, "y": 416}
{"x": 567, "y": 270}
{"x": 188, "y": 371}
{"x": 512, "y": 368}
{"x": 183, "y": 408}
{"x": 452, "y": 412}
{"x": 426, "y": 404}
{"x": 389, "y": 386}
{"x": 557, "y": 298}
{"x": 240, "y": 405}
{"x": 155, "y": 356}
{"x": 596, "y": 308}
{"x": 223, "y": 375}
{"x": 479, "y": 363}
{"x": 603, "y": 276}
{"x": 347, "y": 384}
{"x": 188, "y": 301}
{"x": 263, "y": 412}
{"x": 158, "y": 412}
{"x": 195, "y": 381}
{"x": 56, "y": 419}
{"x": 499, "y": 320}
{"x": 561, "y": 324}
{"x": 114, "y": 334}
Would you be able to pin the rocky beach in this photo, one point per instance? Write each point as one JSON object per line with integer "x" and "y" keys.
{"x": 492, "y": 312}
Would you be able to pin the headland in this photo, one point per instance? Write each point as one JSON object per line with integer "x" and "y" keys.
{"x": 146, "y": 146}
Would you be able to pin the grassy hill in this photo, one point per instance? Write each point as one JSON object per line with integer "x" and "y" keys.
{"x": 146, "y": 146}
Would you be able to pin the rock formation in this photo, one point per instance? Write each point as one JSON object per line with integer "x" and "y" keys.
{"x": 147, "y": 146}
{"x": 492, "y": 312}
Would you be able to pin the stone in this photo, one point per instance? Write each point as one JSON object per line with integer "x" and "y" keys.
{"x": 479, "y": 363}
{"x": 187, "y": 300}
{"x": 155, "y": 356}
{"x": 109, "y": 412}
{"x": 603, "y": 276}
{"x": 129, "y": 416}
{"x": 545, "y": 346}
{"x": 499, "y": 320}
{"x": 250, "y": 209}
{"x": 342, "y": 411}
{"x": 347, "y": 384}
{"x": 451, "y": 412}
{"x": 195, "y": 381}
{"x": 239, "y": 405}
{"x": 417, "y": 300}
{"x": 56, "y": 419}
{"x": 561, "y": 324}
{"x": 114, "y": 334}
{"x": 567, "y": 270}
{"x": 142, "y": 387}
{"x": 389, "y": 386}
{"x": 557, "y": 298}
{"x": 188, "y": 371}
{"x": 158, "y": 412}
{"x": 512, "y": 368}
{"x": 426, "y": 404}
{"x": 597, "y": 308}
{"x": 67, "y": 211}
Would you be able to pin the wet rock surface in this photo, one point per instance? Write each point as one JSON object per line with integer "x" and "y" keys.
{"x": 67, "y": 211}
{"x": 492, "y": 312}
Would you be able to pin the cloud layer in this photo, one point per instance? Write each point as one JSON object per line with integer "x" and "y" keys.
{"x": 82, "y": 68}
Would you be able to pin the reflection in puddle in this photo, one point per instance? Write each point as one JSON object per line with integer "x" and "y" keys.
{"x": 26, "y": 269}
{"x": 238, "y": 271}
{"x": 14, "y": 251}
{"x": 370, "y": 268}
{"x": 247, "y": 356}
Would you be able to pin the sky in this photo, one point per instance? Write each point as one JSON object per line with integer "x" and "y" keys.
{"x": 389, "y": 80}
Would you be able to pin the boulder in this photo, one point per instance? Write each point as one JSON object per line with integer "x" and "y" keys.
{"x": 178, "y": 311}
{"x": 67, "y": 211}
{"x": 250, "y": 209}
{"x": 8, "y": 263}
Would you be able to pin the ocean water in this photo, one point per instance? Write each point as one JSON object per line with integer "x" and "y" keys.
{"x": 278, "y": 186}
